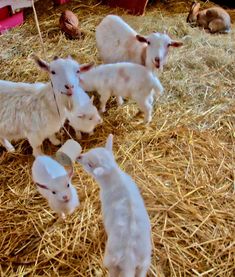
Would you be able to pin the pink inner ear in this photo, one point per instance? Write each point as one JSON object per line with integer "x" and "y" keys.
{"x": 70, "y": 173}
{"x": 86, "y": 67}
{"x": 176, "y": 44}
{"x": 141, "y": 39}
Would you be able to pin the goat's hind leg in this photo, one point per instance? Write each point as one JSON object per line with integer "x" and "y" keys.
{"x": 119, "y": 100}
{"x": 114, "y": 271}
{"x": 128, "y": 272}
{"x": 6, "y": 143}
{"x": 142, "y": 271}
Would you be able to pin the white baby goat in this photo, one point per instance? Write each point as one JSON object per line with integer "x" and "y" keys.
{"x": 84, "y": 118}
{"x": 117, "y": 41}
{"x": 34, "y": 115}
{"x": 126, "y": 80}
{"x": 128, "y": 249}
{"x": 54, "y": 184}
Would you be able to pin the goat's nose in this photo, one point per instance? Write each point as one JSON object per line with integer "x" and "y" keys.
{"x": 65, "y": 198}
{"x": 68, "y": 86}
{"x": 69, "y": 89}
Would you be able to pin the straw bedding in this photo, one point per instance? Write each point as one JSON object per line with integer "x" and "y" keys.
{"x": 183, "y": 162}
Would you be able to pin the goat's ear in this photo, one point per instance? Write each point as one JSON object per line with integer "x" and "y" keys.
{"x": 86, "y": 67}
{"x": 141, "y": 38}
{"x": 41, "y": 63}
{"x": 41, "y": 186}
{"x": 99, "y": 171}
{"x": 109, "y": 143}
{"x": 176, "y": 44}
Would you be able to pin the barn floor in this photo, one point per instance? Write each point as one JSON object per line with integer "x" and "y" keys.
{"x": 183, "y": 162}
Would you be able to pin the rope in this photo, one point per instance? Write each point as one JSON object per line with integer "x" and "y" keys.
{"x": 38, "y": 28}
{"x": 44, "y": 54}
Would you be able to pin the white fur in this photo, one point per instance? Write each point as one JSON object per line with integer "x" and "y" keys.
{"x": 29, "y": 110}
{"x": 126, "y": 80}
{"x": 84, "y": 118}
{"x": 128, "y": 249}
{"x": 57, "y": 187}
{"x": 117, "y": 41}
{"x": 215, "y": 19}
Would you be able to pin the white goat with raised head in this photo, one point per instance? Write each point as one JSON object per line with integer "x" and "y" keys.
{"x": 34, "y": 115}
{"x": 118, "y": 42}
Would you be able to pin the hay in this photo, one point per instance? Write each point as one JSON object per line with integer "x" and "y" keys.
{"x": 183, "y": 162}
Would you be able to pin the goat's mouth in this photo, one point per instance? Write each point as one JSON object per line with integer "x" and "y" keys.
{"x": 156, "y": 64}
{"x": 67, "y": 93}
{"x": 66, "y": 201}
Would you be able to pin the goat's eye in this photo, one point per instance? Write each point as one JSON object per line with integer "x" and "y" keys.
{"x": 53, "y": 72}
{"x": 90, "y": 165}
{"x": 148, "y": 42}
{"x": 90, "y": 118}
{"x": 68, "y": 186}
{"x": 78, "y": 71}
{"x": 53, "y": 192}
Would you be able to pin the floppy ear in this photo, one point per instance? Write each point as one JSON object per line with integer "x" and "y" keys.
{"x": 86, "y": 67}
{"x": 44, "y": 169}
{"x": 65, "y": 161}
{"x": 99, "y": 171}
{"x": 109, "y": 143}
{"x": 41, "y": 63}
{"x": 176, "y": 44}
{"x": 141, "y": 38}
{"x": 41, "y": 186}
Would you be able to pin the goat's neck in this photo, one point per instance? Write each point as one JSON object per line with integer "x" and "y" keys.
{"x": 54, "y": 100}
{"x": 112, "y": 178}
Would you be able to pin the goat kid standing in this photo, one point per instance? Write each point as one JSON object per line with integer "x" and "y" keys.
{"x": 128, "y": 249}
{"x": 126, "y": 80}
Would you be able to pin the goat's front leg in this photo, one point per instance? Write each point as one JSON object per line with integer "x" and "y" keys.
{"x": 36, "y": 142}
{"x": 104, "y": 97}
{"x": 54, "y": 140}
